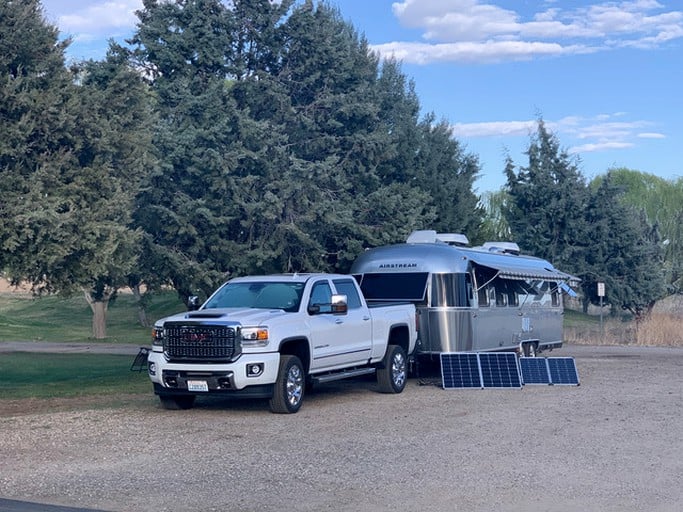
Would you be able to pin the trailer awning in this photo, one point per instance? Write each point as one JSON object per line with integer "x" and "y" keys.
{"x": 508, "y": 270}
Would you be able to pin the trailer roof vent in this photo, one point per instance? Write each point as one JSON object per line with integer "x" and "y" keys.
{"x": 426, "y": 236}
{"x": 502, "y": 247}
{"x": 429, "y": 236}
{"x": 453, "y": 239}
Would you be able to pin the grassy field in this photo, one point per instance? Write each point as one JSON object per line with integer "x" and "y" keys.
{"x": 40, "y": 375}
{"x": 23, "y": 318}
{"x": 100, "y": 377}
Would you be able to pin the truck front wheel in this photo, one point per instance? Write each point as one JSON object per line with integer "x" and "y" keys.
{"x": 289, "y": 387}
{"x": 393, "y": 375}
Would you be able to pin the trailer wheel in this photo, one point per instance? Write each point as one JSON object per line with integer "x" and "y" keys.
{"x": 176, "y": 403}
{"x": 289, "y": 387}
{"x": 393, "y": 374}
{"x": 529, "y": 349}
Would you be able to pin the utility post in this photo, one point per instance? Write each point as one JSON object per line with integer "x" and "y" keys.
{"x": 601, "y": 294}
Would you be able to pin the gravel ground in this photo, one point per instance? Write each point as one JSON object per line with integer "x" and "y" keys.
{"x": 615, "y": 443}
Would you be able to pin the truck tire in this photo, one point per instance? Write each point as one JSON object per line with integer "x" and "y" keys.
{"x": 176, "y": 403}
{"x": 393, "y": 374}
{"x": 289, "y": 387}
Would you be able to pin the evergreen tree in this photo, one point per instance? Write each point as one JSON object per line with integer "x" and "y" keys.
{"x": 661, "y": 200}
{"x": 187, "y": 208}
{"x": 447, "y": 173}
{"x": 547, "y": 201}
{"x": 625, "y": 253}
{"x": 69, "y": 164}
{"x": 592, "y": 234}
{"x": 284, "y": 146}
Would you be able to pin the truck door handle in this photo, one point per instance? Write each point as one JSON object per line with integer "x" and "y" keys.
{"x": 366, "y": 318}
{"x": 339, "y": 321}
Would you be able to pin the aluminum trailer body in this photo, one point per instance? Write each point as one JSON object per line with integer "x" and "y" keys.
{"x": 469, "y": 298}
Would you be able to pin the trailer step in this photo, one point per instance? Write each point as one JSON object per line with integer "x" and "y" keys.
{"x": 342, "y": 374}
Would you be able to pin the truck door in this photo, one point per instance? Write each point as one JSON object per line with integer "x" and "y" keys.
{"x": 357, "y": 322}
{"x": 331, "y": 340}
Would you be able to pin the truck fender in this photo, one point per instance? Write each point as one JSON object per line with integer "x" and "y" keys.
{"x": 298, "y": 346}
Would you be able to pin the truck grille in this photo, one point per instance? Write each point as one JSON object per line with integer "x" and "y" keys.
{"x": 200, "y": 342}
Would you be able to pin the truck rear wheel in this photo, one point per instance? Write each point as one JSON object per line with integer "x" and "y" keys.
{"x": 176, "y": 403}
{"x": 289, "y": 387}
{"x": 393, "y": 375}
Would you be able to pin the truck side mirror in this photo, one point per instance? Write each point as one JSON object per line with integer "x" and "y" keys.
{"x": 193, "y": 303}
{"x": 340, "y": 304}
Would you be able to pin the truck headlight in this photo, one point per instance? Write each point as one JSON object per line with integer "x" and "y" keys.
{"x": 158, "y": 336}
{"x": 254, "y": 336}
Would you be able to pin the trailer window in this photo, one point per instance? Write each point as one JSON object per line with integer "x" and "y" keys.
{"x": 483, "y": 297}
{"x": 542, "y": 293}
{"x": 407, "y": 286}
{"x": 451, "y": 290}
{"x": 506, "y": 292}
{"x": 483, "y": 277}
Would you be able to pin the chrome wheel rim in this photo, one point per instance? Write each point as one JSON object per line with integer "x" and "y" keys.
{"x": 398, "y": 370}
{"x": 295, "y": 385}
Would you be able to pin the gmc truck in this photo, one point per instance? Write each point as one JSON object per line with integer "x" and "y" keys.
{"x": 275, "y": 336}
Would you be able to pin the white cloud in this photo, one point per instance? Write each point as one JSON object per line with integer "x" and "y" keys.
{"x": 103, "y": 18}
{"x": 493, "y": 129}
{"x": 599, "y": 146}
{"x": 479, "y": 30}
{"x": 470, "y": 51}
{"x": 651, "y": 135}
{"x": 601, "y": 132}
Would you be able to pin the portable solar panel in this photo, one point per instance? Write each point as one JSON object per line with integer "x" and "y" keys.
{"x": 563, "y": 371}
{"x": 480, "y": 370}
{"x": 549, "y": 370}
{"x": 460, "y": 370}
{"x": 534, "y": 370}
{"x": 499, "y": 370}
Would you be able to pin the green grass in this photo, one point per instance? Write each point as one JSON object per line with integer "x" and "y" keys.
{"x": 574, "y": 318}
{"x": 40, "y": 375}
{"x": 59, "y": 319}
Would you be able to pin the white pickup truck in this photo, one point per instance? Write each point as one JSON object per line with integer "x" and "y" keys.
{"x": 274, "y": 336}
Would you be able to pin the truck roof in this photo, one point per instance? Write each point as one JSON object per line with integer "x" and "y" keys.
{"x": 296, "y": 277}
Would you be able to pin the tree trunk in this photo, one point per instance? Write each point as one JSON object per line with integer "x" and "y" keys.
{"x": 99, "y": 313}
{"x": 142, "y": 314}
{"x": 99, "y": 319}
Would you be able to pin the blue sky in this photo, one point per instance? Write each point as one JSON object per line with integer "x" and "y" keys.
{"x": 604, "y": 75}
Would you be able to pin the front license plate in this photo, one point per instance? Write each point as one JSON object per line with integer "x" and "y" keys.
{"x": 197, "y": 385}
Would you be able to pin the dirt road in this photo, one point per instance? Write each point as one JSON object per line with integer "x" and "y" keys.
{"x": 615, "y": 443}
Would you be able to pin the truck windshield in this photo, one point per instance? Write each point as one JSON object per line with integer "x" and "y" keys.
{"x": 260, "y": 295}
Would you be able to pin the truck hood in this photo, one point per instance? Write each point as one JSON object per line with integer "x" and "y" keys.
{"x": 243, "y": 316}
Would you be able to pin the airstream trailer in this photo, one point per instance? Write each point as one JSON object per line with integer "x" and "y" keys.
{"x": 469, "y": 298}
